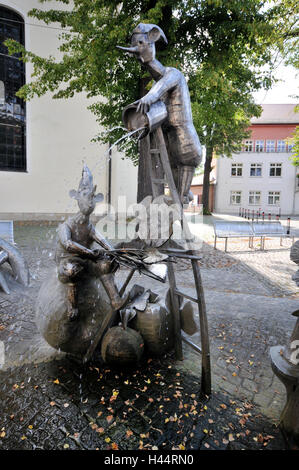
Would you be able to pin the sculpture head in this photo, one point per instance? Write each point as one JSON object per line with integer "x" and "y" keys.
{"x": 143, "y": 40}
{"x": 85, "y": 195}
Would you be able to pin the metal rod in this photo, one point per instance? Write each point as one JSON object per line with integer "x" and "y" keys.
{"x": 176, "y": 313}
{"x": 107, "y": 322}
{"x": 289, "y": 226}
{"x": 182, "y": 294}
{"x": 204, "y": 332}
{"x": 125, "y": 284}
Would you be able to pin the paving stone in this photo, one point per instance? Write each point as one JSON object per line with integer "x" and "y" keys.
{"x": 249, "y": 310}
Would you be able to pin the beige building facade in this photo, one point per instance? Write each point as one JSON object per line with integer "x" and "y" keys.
{"x": 58, "y": 136}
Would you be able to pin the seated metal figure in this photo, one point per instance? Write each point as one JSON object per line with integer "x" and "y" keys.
{"x": 182, "y": 141}
{"x": 74, "y": 252}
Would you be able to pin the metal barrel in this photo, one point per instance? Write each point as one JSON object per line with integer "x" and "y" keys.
{"x": 151, "y": 120}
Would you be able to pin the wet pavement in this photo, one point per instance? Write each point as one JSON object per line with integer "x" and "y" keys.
{"x": 62, "y": 405}
{"x": 50, "y": 402}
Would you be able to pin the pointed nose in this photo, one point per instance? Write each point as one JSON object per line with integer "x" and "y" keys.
{"x": 131, "y": 50}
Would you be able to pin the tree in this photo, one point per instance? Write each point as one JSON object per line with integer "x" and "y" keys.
{"x": 209, "y": 35}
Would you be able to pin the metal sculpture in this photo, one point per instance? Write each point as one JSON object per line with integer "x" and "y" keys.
{"x": 11, "y": 255}
{"x": 74, "y": 251}
{"x": 170, "y": 87}
{"x": 79, "y": 301}
{"x": 74, "y": 313}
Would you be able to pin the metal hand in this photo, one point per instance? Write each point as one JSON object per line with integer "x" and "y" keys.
{"x": 97, "y": 253}
{"x": 143, "y": 105}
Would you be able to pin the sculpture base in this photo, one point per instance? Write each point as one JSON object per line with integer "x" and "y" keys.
{"x": 289, "y": 375}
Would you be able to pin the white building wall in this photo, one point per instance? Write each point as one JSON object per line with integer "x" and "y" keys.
{"x": 285, "y": 183}
{"x": 59, "y": 134}
{"x": 123, "y": 181}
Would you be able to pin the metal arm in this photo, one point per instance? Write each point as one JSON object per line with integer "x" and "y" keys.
{"x": 98, "y": 238}
{"x": 65, "y": 238}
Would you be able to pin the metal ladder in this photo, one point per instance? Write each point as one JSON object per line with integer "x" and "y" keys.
{"x": 158, "y": 162}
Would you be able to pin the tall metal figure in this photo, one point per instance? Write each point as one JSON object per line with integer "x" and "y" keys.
{"x": 74, "y": 252}
{"x": 170, "y": 86}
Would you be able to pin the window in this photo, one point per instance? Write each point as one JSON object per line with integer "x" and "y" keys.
{"x": 256, "y": 169}
{"x": 273, "y": 198}
{"x": 270, "y": 145}
{"x": 259, "y": 145}
{"x": 275, "y": 169}
{"x": 236, "y": 169}
{"x": 254, "y": 197}
{"x": 12, "y": 109}
{"x": 235, "y": 197}
{"x": 281, "y": 146}
{"x": 248, "y": 146}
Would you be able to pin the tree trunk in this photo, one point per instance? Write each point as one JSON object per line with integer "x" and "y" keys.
{"x": 144, "y": 184}
{"x": 206, "y": 181}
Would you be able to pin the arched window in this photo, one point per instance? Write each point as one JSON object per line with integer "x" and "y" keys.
{"x": 12, "y": 108}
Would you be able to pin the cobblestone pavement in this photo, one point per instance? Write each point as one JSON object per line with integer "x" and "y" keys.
{"x": 61, "y": 405}
{"x": 58, "y": 404}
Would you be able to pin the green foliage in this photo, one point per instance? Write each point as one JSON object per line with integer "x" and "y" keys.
{"x": 222, "y": 106}
{"x": 286, "y": 31}
{"x": 295, "y": 151}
